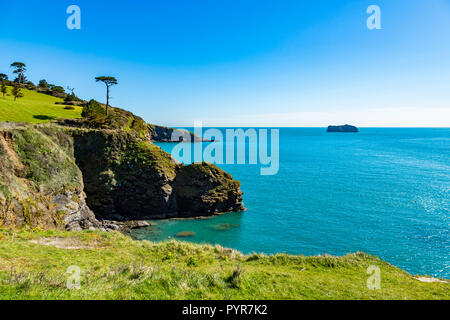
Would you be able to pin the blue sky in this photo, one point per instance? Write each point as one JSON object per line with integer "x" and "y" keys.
{"x": 243, "y": 63}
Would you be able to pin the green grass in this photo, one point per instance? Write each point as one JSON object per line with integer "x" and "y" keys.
{"x": 115, "y": 267}
{"x": 34, "y": 107}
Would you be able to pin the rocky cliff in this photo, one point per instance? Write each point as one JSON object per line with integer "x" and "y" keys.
{"x": 40, "y": 184}
{"x": 66, "y": 177}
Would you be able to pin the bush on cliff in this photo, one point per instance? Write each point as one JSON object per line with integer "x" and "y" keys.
{"x": 44, "y": 162}
{"x": 117, "y": 119}
{"x": 71, "y": 97}
{"x": 93, "y": 110}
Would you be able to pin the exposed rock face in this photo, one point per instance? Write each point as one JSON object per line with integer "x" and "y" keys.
{"x": 40, "y": 185}
{"x": 203, "y": 187}
{"x": 344, "y": 128}
{"x": 52, "y": 177}
{"x": 126, "y": 178}
{"x": 77, "y": 216}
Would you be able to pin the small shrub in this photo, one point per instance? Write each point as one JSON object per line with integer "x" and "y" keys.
{"x": 93, "y": 110}
{"x": 69, "y": 108}
{"x": 235, "y": 279}
{"x": 71, "y": 97}
{"x": 192, "y": 262}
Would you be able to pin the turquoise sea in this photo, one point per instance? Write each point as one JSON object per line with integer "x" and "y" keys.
{"x": 384, "y": 191}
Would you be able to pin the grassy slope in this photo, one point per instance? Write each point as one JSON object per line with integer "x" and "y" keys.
{"x": 33, "y": 108}
{"x": 116, "y": 267}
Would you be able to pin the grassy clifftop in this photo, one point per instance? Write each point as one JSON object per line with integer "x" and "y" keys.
{"x": 33, "y": 265}
{"x": 35, "y": 107}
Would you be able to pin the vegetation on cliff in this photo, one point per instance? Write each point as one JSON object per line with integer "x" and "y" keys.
{"x": 95, "y": 116}
{"x": 33, "y": 265}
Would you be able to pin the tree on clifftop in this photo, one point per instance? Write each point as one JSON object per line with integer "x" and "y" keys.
{"x": 20, "y": 68}
{"x": 108, "y": 81}
{"x": 16, "y": 92}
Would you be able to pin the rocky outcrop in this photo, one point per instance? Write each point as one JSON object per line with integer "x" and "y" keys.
{"x": 77, "y": 215}
{"x": 129, "y": 178}
{"x": 344, "y": 128}
{"x": 166, "y": 134}
{"x": 78, "y": 178}
{"x": 203, "y": 187}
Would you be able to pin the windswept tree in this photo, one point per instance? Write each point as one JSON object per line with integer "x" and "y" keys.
{"x": 19, "y": 69}
{"x": 3, "y": 87}
{"x": 108, "y": 81}
{"x": 16, "y": 92}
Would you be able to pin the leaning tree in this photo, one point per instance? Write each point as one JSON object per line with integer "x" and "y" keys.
{"x": 108, "y": 81}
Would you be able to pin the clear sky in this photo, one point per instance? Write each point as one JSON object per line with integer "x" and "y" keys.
{"x": 243, "y": 62}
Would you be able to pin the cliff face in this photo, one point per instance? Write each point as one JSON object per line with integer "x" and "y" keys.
{"x": 125, "y": 177}
{"x": 130, "y": 178}
{"x": 56, "y": 177}
{"x": 40, "y": 184}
